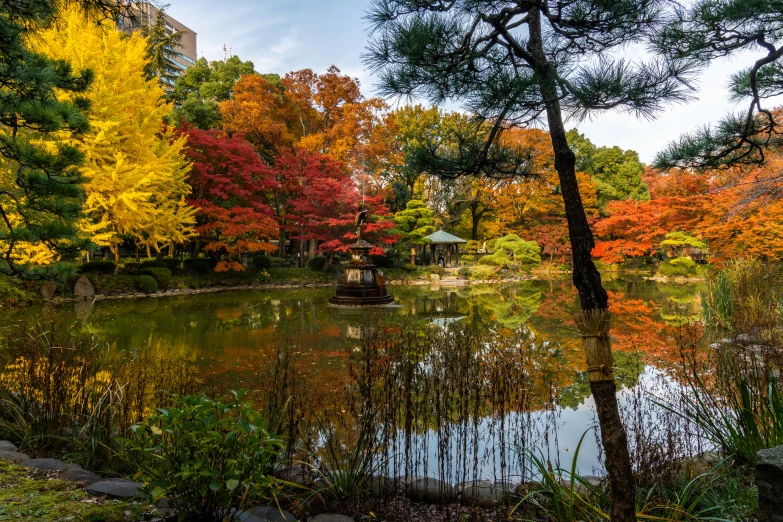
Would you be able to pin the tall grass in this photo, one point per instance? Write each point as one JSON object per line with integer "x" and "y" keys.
{"x": 738, "y": 405}
{"x": 743, "y": 297}
{"x": 62, "y": 394}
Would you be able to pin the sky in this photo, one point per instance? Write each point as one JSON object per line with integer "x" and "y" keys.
{"x": 279, "y": 36}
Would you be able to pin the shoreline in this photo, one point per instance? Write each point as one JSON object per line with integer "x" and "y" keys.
{"x": 449, "y": 282}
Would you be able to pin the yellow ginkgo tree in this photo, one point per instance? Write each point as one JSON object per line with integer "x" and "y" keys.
{"x": 135, "y": 170}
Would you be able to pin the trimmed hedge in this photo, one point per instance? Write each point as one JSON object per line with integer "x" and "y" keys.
{"x": 197, "y": 266}
{"x": 317, "y": 264}
{"x": 116, "y": 283}
{"x": 161, "y": 275}
{"x": 262, "y": 262}
{"x": 146, "y": 283}
{"x": 678, "y": 267}
{"x": 153, "y": 263}
{"x": 99, "y": 267}
{"x": 132, "y": 268}
{"x": 172, "y": 263}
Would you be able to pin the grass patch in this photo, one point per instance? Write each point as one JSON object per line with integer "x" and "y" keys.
{"x": 27, "y": 495}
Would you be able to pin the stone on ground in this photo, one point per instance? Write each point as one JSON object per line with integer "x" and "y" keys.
{"x": 430, "y": 490}
{"x": 83, "y": 287}
{"x": 331, "y": 518}
{"x": 46, "y": 464}
{"x": 769, "y": 480}
{"x": 48, "y": 289}
{"x": 115, "y": 488}
{"x": 6, "y": 445}
{"x": 79, "y": 475}
{"x": 272, "y": 514}
{"x": 296, "y": 474}
{"x": 13, "y": 456}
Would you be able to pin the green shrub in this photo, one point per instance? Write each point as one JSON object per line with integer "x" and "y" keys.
{"x": 278, "y": 261}
{"x": 463, "y": 271}
{"x": 472, "y": 247}
{"x": 161, "y": 275}
{"x": 153, "y": 263}
{"x": 146, "y": 284}
{"x": 382, "y": 261}
{"x": 437, "y": 269}
{"x": 197, "y": 266}
{"x": 208, "y": 457}
{"x": 483, "y": 272}
{"x": 468, "y": 258}
{"x": 678, "y": 267}
{"x": 499, "y": 258}
{"x": 132, "y": 268}
{"x": 116, "y": 283}
{"x": 318, "y": 263}
{"x": 408, "y": 267}
{"x": 99, "y": 267}
{"x": 262, "y": 262}
{"x": 11, "y": 294}
{"x": 172, "y": 263}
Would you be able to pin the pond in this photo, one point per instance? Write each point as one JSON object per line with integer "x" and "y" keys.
{"x": 535, "y": 397}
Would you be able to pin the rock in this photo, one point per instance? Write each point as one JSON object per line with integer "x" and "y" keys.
{"x": 13, "y": 456}
{"x": 272, "y": 514}
{"x": 48, "y": 289}
{"x": 46, "y": 464}
{"x": 79, "y": 475}
{"x": 83, "y": 287}
{"x": 115, "y": 488}
{"x": 243, "y": 516}
{"x": 295, "y": 473}
{"x": 430, "y": 490}
{"x": 331, "y": 518}
{"x": 769, "y": 480}
{"x": 6, "y": 445}
{"x": 484, "y": 493}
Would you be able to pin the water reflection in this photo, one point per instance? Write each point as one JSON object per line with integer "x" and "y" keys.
{"x": 235, "y": 341}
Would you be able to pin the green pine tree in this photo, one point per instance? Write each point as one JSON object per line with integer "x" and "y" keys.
{"x": 40, "y": 195}
{"x": 707, "y": 30}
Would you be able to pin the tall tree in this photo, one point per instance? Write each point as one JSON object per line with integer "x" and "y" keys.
{"x": 161, "y": 46}
{"x": 198, "y": 91}
{"x": 617, "y": 173}
{"x": 230, "y": 184}
{"x": 513, "y": 62}
{"x": 134, "y": 170}
{"x": 40, "y": 192}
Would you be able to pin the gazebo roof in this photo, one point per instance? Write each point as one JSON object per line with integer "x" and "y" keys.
{"x": 444, "y": 238}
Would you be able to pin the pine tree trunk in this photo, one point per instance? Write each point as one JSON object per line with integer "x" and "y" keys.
{"x": 592, "y": 296}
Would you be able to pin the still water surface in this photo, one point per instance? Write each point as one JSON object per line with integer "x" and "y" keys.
{"x": 230, "y": 337}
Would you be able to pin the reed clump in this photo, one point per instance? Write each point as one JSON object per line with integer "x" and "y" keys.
{"x": 62, "y": 394}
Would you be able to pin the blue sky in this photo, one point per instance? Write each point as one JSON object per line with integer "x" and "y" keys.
{"x": 287, "y": 35}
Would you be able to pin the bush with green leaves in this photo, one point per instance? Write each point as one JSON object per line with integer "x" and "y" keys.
{"x": 197, "y": 266}
{"x": 131, "y": 268}
{"x": 262, "y": 262}
{"x": 153, "y": 263}
{"x": 481, "y": 272}
{"x": 678, "y": 267}
{"x": 208, "y": 457}
{"x": 172, "y": 263}
{"x": 146, "y": 284}
{"x": 122, "y": 283}
{"x": 279, "y": 261}
{"x": 437, "y": 269}
{"x": 317, "y": 263}
{"x": 99, "y": 267}
{"x": 11, "y": 292}
{"x": 161, "y": 275}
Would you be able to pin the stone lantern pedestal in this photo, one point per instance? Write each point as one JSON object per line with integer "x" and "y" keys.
{"x": 361, "y": 284}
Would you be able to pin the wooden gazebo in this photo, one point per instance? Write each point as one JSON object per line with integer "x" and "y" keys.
{"x": 447, "y": 245}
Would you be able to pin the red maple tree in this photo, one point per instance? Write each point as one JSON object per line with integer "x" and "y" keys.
{"x": 229, "y": 186}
